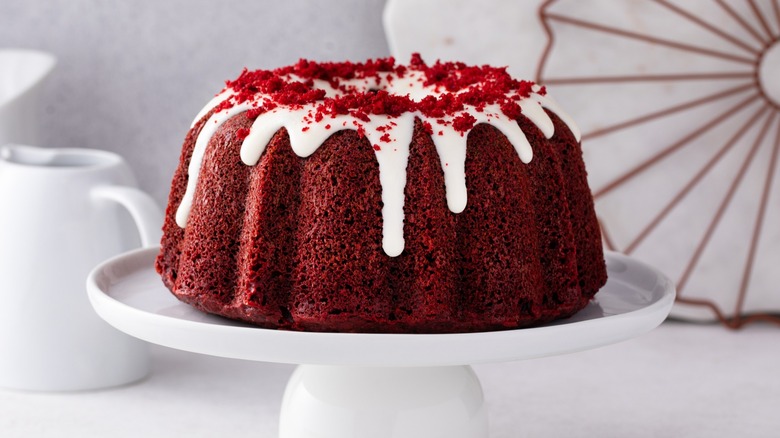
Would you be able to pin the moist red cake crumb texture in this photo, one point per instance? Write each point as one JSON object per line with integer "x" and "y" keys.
{"x": 296, "y": 242}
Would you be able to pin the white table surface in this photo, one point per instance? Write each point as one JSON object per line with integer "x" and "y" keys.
{"x": 680, "y": 380}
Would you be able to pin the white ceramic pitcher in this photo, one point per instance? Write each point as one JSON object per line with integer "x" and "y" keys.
{"x": 21, "y": 74}
{"x": 61, "y": 213}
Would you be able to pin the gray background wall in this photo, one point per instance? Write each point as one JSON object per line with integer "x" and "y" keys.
{"x": 132, "y": 74}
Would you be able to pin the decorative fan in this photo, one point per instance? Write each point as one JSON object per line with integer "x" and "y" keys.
{"x": 681, "y": 136}
{"x": 679, "y": 103}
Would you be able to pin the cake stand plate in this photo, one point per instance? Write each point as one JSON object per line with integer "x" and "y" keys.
{"x": 356, "y": 385}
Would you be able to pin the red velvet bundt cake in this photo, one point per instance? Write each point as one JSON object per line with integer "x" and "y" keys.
{"x": 378, "y": 197}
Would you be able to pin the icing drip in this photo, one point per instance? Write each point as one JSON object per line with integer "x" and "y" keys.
{"x": 216, "y": 100}
{"x": 451, "y": 147}
{"x": 391, "y": 157}
{"x": 552, "y": 105}
{"x": 389, "y": 135}
{"x": 211, "y": 126}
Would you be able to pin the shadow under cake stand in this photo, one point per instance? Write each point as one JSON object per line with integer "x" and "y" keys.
{"x": 356, "y": 385}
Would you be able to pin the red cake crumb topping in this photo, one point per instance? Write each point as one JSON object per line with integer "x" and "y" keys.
{"x": 459, "y": 84}
{"x": 428, "y": 128}
{"x": 242, "y": 133}
{"x": 464, "y": 122}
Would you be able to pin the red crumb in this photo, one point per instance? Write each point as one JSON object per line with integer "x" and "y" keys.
{"x": 463, "y": 122}
{"x": 241, "y": 133}
{"x": 459, "y": 85}
{"x": 428, "y": 128}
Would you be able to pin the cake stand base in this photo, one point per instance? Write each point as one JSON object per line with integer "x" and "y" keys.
{"x": 376, "y": 385}
{"x": 383, "y": 402}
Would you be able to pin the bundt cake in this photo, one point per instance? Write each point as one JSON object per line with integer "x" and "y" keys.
{"x": 379, "y": 197}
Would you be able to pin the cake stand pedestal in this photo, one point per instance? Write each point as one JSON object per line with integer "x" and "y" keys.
{"x": 359, "y": 385}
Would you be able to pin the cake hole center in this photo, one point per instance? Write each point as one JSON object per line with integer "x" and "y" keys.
{"x": 769, "y": 73}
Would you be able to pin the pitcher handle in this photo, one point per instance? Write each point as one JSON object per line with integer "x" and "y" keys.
{"x": 142, "y": 208}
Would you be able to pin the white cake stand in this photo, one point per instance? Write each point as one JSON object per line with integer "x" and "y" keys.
{"x": 376, "y": 385}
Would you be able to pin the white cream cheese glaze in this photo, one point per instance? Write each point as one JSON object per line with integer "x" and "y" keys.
{"x": 307, "y": 135}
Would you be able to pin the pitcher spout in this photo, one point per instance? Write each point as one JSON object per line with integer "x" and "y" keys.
{"x": 22, "y": 72}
